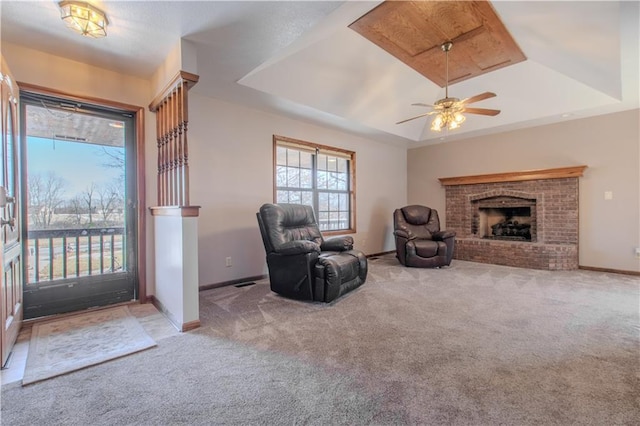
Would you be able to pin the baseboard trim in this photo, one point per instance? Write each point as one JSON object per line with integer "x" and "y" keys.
{"x": 380, "y": 254}
{"x": 191, "y": 325}
{"x": 232, "y": 282}
{"x": 613, "y": 271}
{"x": 187, "y": 326}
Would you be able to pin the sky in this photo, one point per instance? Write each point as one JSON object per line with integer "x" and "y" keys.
{"x": 79, "y": 164}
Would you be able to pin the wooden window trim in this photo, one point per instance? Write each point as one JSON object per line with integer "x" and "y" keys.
{"x": 352, "y": 177}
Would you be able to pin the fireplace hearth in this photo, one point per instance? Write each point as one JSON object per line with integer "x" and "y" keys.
{"x": 524, "y": 219}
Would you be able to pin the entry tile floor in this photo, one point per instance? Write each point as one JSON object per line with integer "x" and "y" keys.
{"x": 153, "y": 321}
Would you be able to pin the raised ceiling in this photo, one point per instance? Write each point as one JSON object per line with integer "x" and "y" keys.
{"x": 301, "y": 60}
{"x": 415, "y": 31}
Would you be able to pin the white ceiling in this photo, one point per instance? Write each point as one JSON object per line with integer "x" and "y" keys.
{"x": 299, "y": 58}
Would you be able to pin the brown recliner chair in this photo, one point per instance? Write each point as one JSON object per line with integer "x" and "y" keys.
{"x": 302, "y": 264}
{"x": 419, "y": 240}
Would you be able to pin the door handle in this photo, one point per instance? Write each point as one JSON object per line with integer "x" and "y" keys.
{"x": 11, "y": 222}
{"x": 4, "y": 200}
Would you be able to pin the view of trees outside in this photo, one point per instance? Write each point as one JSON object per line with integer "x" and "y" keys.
{"x": 294, "y": 179}
{"x": 53, "y": 203}
{"x": 75, "y": 208}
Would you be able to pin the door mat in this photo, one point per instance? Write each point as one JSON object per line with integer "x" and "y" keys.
{"x": 61, "y": 346}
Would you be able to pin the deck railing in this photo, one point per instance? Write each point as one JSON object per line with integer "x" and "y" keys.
{"x": 67, "y": 253}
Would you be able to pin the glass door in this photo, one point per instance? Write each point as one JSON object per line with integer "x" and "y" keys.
{"x": 79, "y": 196}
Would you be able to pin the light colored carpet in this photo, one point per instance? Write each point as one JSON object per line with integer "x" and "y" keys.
{"x": 473, "y": 344}
{"x": 80, "y": 341}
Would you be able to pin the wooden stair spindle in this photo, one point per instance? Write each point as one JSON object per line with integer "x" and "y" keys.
{"x": 170, "y": 146}
{"x": 159, "y": 146}
{"x": 165, "y": 156}
{"x": 185, "y": 151}
{"x": 180, "y": 146}
{"x": 177, "y": 99}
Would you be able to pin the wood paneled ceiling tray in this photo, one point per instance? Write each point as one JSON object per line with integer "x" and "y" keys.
{"x": 414, "y": 32}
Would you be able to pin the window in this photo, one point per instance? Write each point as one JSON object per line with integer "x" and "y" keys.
{"x": 317, "y": 175}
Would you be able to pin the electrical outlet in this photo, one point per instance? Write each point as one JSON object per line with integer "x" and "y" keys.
{"x": 638, "y": 252}
{"x": 227, "y": 262}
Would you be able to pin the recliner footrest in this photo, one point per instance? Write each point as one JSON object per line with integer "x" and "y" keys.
{"x": 335, "y": 270}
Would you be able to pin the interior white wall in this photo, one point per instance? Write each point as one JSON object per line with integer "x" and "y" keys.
{"x": 77, "y": 78}
{"x": 231, "y": 172}
{"x": 608, "y": 144}
{"x": 181, "y": 58}
{"x": 177, "y": 276}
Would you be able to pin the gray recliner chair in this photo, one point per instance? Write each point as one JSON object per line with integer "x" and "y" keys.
{"x": 302, "y": 264}
{"x": 419, "y": 240}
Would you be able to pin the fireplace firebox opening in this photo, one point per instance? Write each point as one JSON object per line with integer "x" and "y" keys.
{"x": 505, "y": 223}
{"x": 504, "y": 218}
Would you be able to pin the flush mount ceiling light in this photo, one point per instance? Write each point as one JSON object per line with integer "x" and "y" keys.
{"x": 83, "y": 18}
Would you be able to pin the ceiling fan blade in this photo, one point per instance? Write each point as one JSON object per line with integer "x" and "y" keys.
{"x": 421, "y": 104}
{"x": 482, "y": 111}
{"x": 417, "y": 116}
{"x": 477, "y": 98}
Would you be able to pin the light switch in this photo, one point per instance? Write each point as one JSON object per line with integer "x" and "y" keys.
{"x": 608, "y": 195}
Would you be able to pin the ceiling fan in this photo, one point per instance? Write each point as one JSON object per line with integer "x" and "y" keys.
{"x": 449, "y": 110}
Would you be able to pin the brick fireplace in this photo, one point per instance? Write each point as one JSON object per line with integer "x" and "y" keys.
{"x": 525, "y": 219}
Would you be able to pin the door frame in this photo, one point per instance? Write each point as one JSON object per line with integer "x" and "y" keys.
{"x": 141, "y": 255}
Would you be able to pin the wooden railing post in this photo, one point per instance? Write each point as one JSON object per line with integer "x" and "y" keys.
{"x": 171, "y": 108}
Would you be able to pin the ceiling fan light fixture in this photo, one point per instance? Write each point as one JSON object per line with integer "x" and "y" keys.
{"x": 438, "y": 123}
{"x": 449, "y": 110}
{"x": 449, "y": 119}
{"x": 83, "y": 18}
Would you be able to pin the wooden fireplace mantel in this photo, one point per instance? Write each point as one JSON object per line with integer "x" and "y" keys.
{"x": 558, "y": 173}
